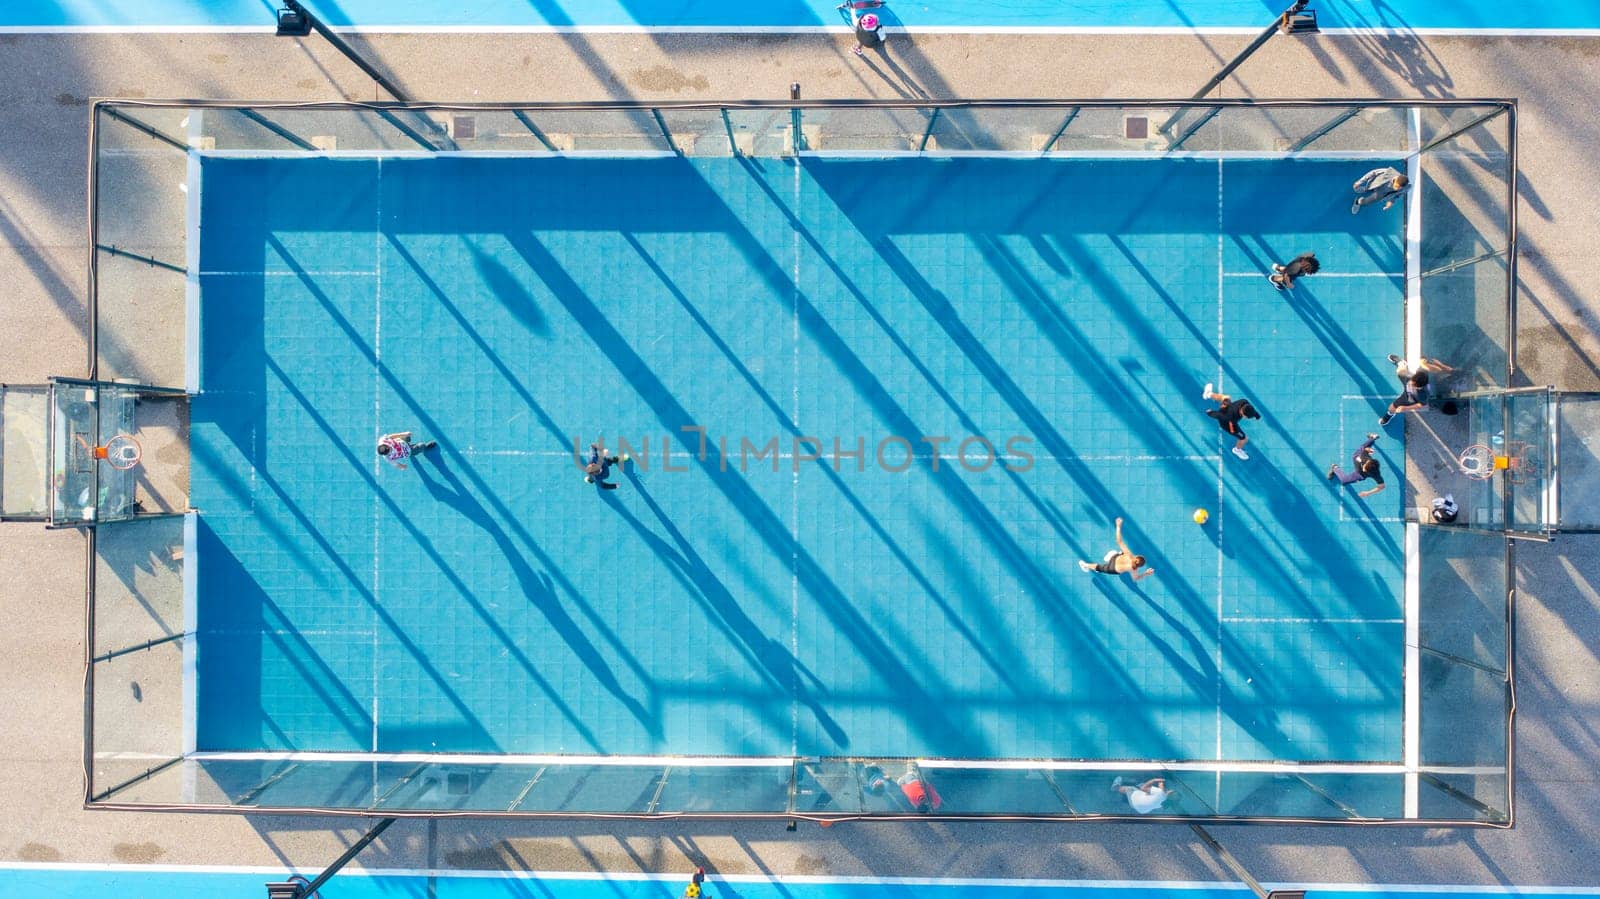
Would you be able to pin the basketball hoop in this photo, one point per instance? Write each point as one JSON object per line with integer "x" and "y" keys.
{"x": 1479, "y": 462}
{"x": 120, "y": 452}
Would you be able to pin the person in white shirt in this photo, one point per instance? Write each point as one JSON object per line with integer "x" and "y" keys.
{"x": 397, "y": 447}
{"x": 1146, "y": 797}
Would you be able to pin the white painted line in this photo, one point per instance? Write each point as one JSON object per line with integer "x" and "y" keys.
{"x": 1202, "y": 765}
{"x": 1153, "y": 155}
{"x": 1411, "y": 738}
{"x": 377, "y": 462}
{"x": 1321, "y": 275}
{"x": 821, "y": 30}
{"x": 826, "y": 457}
{"x": 283, "y": 274}
{"x": 1413, "y": 201}
{"x": 191, "y": 627}
{"x": 1217, "y": 693}
{"x": 191, "y": 262}
{"x": 379, "y": 153}
{"x": 417, "y": 758}
{"x": 794, "y": 492}
{"x": 447, "y": 758}
{"x": 1251, "y": 620}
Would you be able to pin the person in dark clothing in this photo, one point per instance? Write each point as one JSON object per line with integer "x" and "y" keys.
{"x": 1228, "y": 414}
{"x": 1366, "y": 467}
{"x": 1283, "y": 276}
{"x": 1412, "y": 398}
{"x": 599, "y": 465}
{"x": 868, "y": 28}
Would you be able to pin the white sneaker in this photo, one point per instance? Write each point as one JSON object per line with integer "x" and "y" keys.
{"x": 1084, "y": 566}
{"x": 1116, "y": 783}
{"x": 1207, "y": 394}
{"x": 1239, "y": 451}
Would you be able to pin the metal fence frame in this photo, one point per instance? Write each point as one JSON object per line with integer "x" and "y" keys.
{"x": 125, "y": 111}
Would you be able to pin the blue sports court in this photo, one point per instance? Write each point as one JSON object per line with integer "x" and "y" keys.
{"x": 840, "y": 581}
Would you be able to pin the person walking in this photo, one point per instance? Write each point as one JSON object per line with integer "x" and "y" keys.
{"x": 1379, "y": 184}
{"x": 1366, "y": 467}
{"x": 1228, "y": 414}
{"x": 1146, "y": 797}
{"x": 598, "y": 467}
{"x": 1118, "y": 561}
{"x": 868, "y": 28}
{"x": 1283, "y": 276}
{"x": 397, "y": 447}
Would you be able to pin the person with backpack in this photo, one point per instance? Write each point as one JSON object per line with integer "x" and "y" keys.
{"x": 1228, "y": 414}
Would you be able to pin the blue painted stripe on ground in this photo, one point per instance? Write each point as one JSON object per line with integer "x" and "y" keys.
{"x": 246, "y": 883}
{"x": 786, "y": 14}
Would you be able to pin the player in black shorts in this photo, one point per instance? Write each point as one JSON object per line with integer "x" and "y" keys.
{"x": 1228, "y": 413}
{"x": 1118, "y": 561}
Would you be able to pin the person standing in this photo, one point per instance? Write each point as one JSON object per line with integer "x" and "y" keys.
{"x": 1146, "y": 797}
{"x": 1283, "y": 276}
{"x": 1366, "y": 467}
{"x": 1118, "y": 561}
{"x": 868, "y": 28}
{"x": 397, "y": 447}
{"x": 1379, "y": 184}
{"x": 598, "y": 468}
{"x": 1229, "y": 413}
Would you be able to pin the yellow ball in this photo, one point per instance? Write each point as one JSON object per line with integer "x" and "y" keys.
{"x": 1201, "y": 516}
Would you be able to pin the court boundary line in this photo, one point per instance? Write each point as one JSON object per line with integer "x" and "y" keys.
{"x": 839, "y": 30}
{"x": 1411, "y": 677}
{"x": 805, "y": 879}
{"x": 1216, "y": 697}
{"x": 191, "y": 259}
{"x": 794, "y": 484}
{"x": 1205, "y": 766}
{"x": 191, "y": 626}
{"x": 1411, "y": 725}
{"x": 1320, "y": 275}
{"x": 377, "y": 424}
{"x": 1150, "y": 156}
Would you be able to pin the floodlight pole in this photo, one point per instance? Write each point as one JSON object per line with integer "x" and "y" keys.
{"x": 338, "y": 44}
{"x": 293, "y": 889}
{"x": 1278, "y": 24}
{"x": 1233, "y": 865}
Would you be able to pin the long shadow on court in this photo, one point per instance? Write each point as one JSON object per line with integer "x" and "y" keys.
{"x": 537, "y": 588}
{"x": 911, "y": 687}
{"x": 994, "y": 655}
{"x": 229, "y": 686}
{"x": 1017, "y": 560}
{"x": 781, "y": 667}
{"x": 398, "y": 514}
